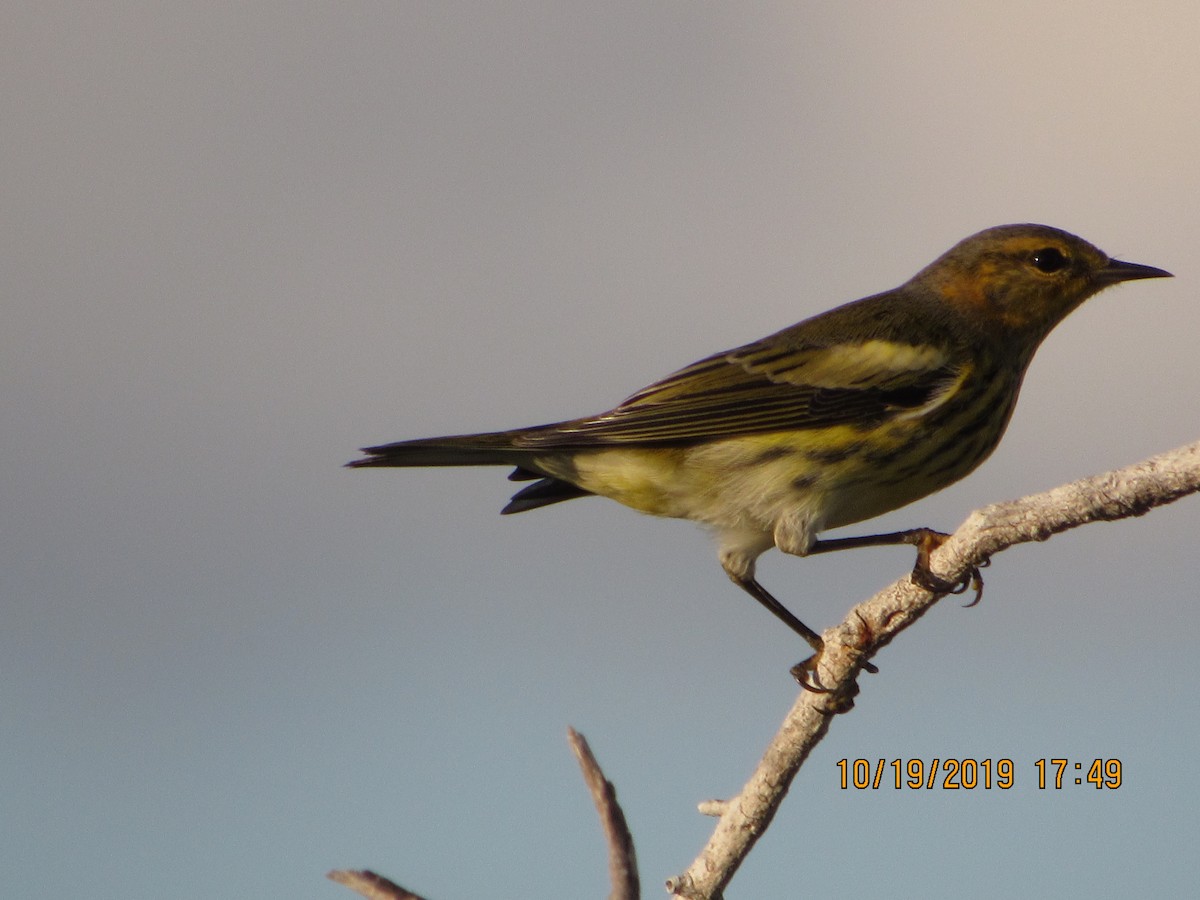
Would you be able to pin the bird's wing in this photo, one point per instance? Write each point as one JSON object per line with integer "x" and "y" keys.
{"x": 771, "y": 385}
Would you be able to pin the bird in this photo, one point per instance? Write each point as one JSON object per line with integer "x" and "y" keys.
{"x": 847, "y": 415}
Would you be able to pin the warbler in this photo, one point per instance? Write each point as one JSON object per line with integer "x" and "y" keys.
{"x": 843, "y": 417}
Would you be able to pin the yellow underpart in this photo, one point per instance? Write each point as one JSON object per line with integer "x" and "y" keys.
{"x": 744, "y": 481}
{"x": 646, "y": 479}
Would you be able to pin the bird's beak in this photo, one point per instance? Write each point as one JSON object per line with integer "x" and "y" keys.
{"x": 1117, "y": 271}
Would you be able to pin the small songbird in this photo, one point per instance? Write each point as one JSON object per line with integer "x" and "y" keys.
{"x": 848, "y": 415}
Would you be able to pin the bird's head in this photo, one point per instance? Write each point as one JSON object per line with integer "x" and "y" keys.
{"x": 1019, "y": 281}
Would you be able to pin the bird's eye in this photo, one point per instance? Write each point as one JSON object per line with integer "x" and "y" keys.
{"x": 1049, "y": 259}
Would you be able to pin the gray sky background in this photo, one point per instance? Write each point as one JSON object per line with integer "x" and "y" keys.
{"x": 241, "y": 240}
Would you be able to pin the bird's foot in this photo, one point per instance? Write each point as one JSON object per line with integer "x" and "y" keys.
{"x": 926, "y": 540}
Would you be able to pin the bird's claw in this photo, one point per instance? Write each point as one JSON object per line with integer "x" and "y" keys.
{"x": 971, "y": 580}
{"x": 805, "y": 673}
{"x": 928, "y": 540}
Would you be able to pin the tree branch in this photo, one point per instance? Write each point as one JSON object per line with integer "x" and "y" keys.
{"x": 871, "y": 625}
{"x": 370, "y": 885}
{"x": 622, "y": 862}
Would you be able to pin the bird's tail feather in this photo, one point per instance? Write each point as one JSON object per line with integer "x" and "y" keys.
{"x": 491, "y": 449}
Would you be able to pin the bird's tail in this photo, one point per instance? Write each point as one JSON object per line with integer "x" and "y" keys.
{"x": 491, "y": 449}
{"x": 497, "y": 448}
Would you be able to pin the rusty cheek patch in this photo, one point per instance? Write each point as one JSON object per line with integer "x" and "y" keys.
{"x": 973, "y": 289}
{"x": 994, "y": 293}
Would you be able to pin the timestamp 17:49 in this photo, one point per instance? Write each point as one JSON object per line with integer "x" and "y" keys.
{"x": 969, "y": 774}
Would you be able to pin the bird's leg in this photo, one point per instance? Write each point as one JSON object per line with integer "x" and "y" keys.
{"x": 926, "y": 540}
{"x": 760, "y": 593}
{"x": 805, "y": 671}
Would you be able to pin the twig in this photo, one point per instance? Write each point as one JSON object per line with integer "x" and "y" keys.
{"x": 622, "y": 861}
{"x": 370, "y": 885}
{"x": 1119, "y": 494}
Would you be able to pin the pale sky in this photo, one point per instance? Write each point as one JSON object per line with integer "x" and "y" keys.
{"x": 242, "y": 240}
